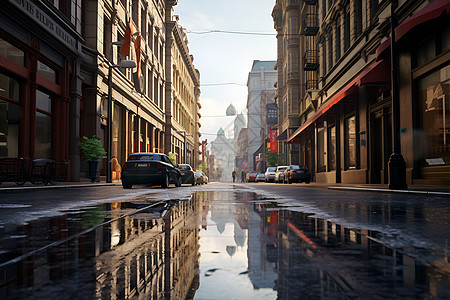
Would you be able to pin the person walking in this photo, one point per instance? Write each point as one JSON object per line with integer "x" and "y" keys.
{"x": 243, "y": 176}
{"x": 234, "y": 175}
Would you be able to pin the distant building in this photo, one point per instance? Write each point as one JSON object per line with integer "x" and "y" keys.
{"x": 261, "y": 78}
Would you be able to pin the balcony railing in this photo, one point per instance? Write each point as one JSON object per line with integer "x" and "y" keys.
{"x": 310, "y": 25}
{"x": 311, "y": 60}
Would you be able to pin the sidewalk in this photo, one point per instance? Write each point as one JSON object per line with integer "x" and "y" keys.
{"x": 432, "y": 190}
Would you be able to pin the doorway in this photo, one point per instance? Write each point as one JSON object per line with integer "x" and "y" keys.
{"x": 380, "y": 145}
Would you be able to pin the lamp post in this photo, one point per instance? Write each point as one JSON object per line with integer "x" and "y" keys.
{"x": 397, "y": 165}
{"x": 128, "y": 64}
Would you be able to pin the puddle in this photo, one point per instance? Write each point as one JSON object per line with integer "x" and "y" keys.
{"x": 215, "y": 245}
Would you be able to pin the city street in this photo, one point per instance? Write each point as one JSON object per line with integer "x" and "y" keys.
{"x": 223, "y": 241}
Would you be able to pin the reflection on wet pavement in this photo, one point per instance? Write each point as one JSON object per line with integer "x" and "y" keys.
{"x": 216, "y": 245}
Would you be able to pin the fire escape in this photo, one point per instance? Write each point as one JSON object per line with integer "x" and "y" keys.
{"x": 309, "y": 29}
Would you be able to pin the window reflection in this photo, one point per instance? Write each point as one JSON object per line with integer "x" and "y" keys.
{"x": 46, "y": 72}
{"x": 11, "y": 52}
{"x": 43, "y": 142}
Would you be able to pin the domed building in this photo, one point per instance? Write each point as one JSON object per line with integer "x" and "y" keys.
{"x": 223, "y": 148}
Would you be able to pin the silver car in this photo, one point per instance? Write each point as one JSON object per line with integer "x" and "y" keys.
{"x": 279, "y": 173}
{"x": 270, "y": 174}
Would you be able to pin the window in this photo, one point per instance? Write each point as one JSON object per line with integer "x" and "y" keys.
{"x": 155, "y": 90}
{"x": 46, "y": 72}
{"x": 43, "y": 142}
{"x": 11, "y": 52}
{"x": 433, "y": 100}
{"x": 338, "y": 38}
{"x": 346, "y": 28}
{"x": 107, "y": 38}
{"x": 150, "y": 36}
{"x": 358, "y": 18}
{"x": 321, "y": 166}
{"x": 150, "y": 84}
{"x": 10, "y": 116}
{"x": 330, "y": 52}
{"x": 350, "y": 143}
{"x": 374, "y": 7}
{"x": 332, "y": 148}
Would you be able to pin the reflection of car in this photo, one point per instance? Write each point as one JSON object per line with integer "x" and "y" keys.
{"x": 149, "y": 168}
{"x": 251, "y": 176}
{"x": 270, "y": 174}
{"x": 279, "y": 173}
{"x": 296, "y": 173}
{"x": 260, "y": 177}
{"x": 198, "y": 177}
{"x": 187, "y": 174}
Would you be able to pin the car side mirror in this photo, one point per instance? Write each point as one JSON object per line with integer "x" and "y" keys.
{"x": 176, "y": 166}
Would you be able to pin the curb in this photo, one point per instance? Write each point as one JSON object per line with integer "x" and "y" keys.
{"x": 446, "y": 194}
{"x": 32, "y": 188}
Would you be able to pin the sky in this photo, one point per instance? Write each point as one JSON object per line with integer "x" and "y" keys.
{"x": 225, "y": 59}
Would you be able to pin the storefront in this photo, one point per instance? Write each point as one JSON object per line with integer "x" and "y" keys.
{"x": 38, "y": 63}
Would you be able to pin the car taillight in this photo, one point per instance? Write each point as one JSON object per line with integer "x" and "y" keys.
{"x": 159, "y": 165}
{"x": 192, "y": 172}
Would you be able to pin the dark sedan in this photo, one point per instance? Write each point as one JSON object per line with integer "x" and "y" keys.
{"x": 296, "y": 173}
{"x": 150, "y": 169}
{"x": 187, "y": 174}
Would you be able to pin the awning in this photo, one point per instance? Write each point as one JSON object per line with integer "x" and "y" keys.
{"x": 349, "y": 89}
{"x": 383, "y": 47}
{"x": 432, "y": 11}
{"x": 282, "y": 136}
{"x": 378, "y": 73}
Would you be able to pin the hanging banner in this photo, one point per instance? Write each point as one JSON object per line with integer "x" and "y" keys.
{"x": 272, "y": 113}
{"x": 273, "y": 140}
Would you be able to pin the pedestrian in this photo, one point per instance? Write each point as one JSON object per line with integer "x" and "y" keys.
{"x": 234, "y": 175}
{"x": 243, "y": 176}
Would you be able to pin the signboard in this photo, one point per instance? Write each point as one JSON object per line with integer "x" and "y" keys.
{"x": 272, "y": 114}
{"x": 273, "y": 140}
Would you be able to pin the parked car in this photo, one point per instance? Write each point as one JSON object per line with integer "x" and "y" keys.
{"x": 270, "y": 174}
{"x": 199, "y": 179}
{"x": 279, "y": 174}
{"x": 205, "y": 178}
{"x": 297, "y": 173}
{"x": 187, "y": 174}
{"x": 251, "y": 176}
{"x": 260, "y": 177}
{"x": 149, "y": 168}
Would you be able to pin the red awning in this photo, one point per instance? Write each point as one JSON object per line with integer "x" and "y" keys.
{"x": 363, "y": 78}
{"x": 378, "y": 73}
{"x": 432, "y": 11}
{"x": 383, "y": 47}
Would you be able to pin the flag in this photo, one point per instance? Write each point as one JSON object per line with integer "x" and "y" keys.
{"x": 125, "y": 49}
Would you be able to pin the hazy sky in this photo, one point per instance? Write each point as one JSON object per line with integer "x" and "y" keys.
{"x": 225, "y": 57}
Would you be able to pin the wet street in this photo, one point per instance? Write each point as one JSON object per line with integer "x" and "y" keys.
{"x": 223, "y": 241}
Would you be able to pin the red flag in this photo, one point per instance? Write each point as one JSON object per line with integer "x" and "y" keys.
{"x": 125, "y": 49}
{"x": 137, "y": 48}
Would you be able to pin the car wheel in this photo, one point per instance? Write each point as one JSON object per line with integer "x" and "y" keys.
{"x": 307, "y": 181}
{"x": 179, "y": 181}
{"x": 126, "y": 185}
{"x": 165, "y": 183}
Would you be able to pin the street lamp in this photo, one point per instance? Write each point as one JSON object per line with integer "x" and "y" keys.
{"x": 127, "y": 64}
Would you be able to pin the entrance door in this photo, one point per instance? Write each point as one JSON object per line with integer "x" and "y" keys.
{"x": 376, "y": 146}
{"x": 380, "y": 145}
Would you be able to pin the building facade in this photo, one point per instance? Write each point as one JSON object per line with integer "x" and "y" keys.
{"x": 40, "y": 62}
{"x": 261, "y": 78}
{"x": 182, "y": 96}
{"x": 58, "y": 63}
{"x": 373, "y": 90}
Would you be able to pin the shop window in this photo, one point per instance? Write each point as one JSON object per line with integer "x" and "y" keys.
{"x": 10, "y": 115}
{"x": 321, "y": 166}
{"x": 43, "y": 142}
{"x": 46, "y": 72}
{"x": 9, "y": 88}
{"x": 332, "y": 148}
{"x": 433, "y": 95}
{"x": 350, "y": 143}
{"x": 11, "y": 52}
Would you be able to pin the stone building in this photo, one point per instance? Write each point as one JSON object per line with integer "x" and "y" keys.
{"x": 182, "y": 97}
{"x": 373, "y": 90}
{"x": 262, "y": 77}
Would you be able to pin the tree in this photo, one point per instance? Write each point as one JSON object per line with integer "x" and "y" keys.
{"x": 92, "y": 148}
{"x": 273, "y": 159}
{"x": 173, "y": 157}
{"x": 203, "y": 166}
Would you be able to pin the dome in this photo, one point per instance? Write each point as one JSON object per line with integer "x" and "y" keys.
{"x": 231, "y": 110}
{"x": 239, "y": 118}
{"x": 221, "y": 131}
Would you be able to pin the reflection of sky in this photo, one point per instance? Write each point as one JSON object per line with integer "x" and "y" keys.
{"x": 219, "y": 272}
